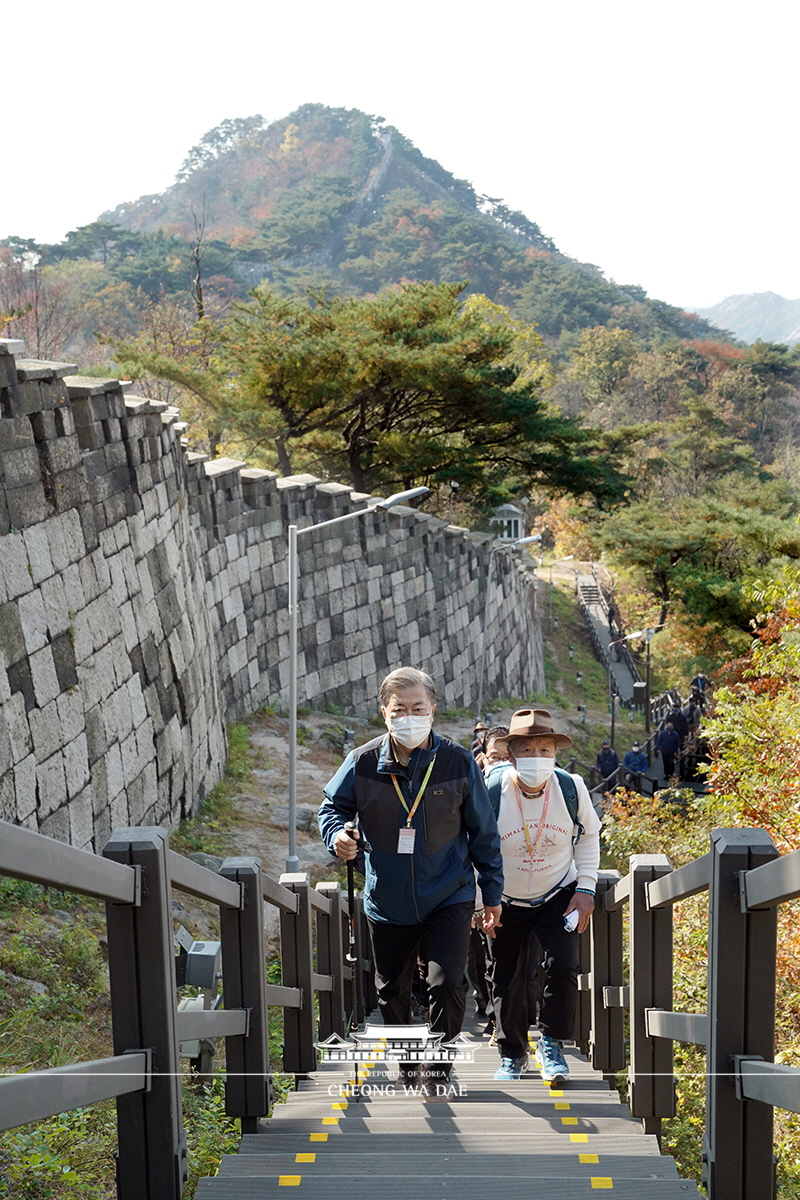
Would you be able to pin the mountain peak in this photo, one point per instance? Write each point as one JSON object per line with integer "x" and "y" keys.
{"x": 751, "y": 316}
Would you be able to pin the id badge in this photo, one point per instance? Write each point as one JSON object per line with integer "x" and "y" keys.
{"x": 405, "y": 840}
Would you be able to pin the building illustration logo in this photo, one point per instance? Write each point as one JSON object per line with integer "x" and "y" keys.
{"x": 396, "y": 1043}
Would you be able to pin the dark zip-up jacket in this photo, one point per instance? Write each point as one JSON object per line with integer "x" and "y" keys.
{"x": 456, "y": 829}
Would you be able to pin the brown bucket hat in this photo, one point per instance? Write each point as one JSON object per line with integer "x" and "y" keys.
{"x": 533, "y": 722}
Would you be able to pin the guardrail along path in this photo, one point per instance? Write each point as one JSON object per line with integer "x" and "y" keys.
{"x": 487, "y": 1138}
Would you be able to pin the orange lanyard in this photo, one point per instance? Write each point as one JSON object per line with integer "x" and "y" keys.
{"x": 419, "y": 793}
{"x": 540, "y": 826}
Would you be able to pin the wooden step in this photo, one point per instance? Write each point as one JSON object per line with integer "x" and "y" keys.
{"x": 482, "y": 1142}
{"x": 321, "y": 1186}
{"x": 455, "y": 1163}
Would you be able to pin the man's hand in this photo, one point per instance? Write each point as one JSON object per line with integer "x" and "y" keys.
{"x": 583, "y": 904}
{"x": 491, "y": 919}
{"x": 345, "y": 844}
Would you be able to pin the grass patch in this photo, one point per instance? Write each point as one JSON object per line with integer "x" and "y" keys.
{"x": 207, "y": 831}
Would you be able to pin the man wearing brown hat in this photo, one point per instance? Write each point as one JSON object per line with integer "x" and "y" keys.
{"x": 550, "y": 843}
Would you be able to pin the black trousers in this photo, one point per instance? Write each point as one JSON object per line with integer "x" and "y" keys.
{"x": 508, "y": 973}
{"x": 669, "y": 765}
{"x": 476, "y": 971}
{"x": 446, "y": 940}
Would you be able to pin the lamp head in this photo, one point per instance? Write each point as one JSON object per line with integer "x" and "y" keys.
{"x": 401, "y": 498}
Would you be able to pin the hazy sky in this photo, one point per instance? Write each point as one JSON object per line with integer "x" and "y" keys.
{"x": 657, "y": 141}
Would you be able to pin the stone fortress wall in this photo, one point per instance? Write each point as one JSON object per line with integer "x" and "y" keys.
{"x": 143, "y": 604}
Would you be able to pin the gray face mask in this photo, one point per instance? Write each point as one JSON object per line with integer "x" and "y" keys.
{"x": 533, "y": 772}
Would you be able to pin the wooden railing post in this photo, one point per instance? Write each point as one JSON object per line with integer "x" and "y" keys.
{"x": 607, "y": 970}
{"x": 583, "y": 1009}
{"x": 651, "y": 1086}
{"x": 297, "y": 970}
{"x": 141, "y": 963}
{"x": 737, "y": 1150}
{"x": 248, "y": 1084}
{"x": 330, "y": 961}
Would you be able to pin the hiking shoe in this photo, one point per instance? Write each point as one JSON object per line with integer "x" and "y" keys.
{"x": 550, "y": 1060}
{"x": 511, "y": 1068}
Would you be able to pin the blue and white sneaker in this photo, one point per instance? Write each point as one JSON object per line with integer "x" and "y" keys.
{"x": 511, "y": 1068}
{"x": 550, "y": 1060}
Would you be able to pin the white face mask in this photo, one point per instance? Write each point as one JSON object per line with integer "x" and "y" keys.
{"x": 533, "y": 772}
{"x": 410, "y": 731}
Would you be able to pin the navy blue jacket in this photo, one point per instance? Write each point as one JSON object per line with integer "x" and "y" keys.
{"x": 669, "y": 741}
{"x": 456, "y": 829}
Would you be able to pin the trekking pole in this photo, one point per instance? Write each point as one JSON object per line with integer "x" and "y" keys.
{"x": 351, "y": 829}
{"x": 352, "y": 957}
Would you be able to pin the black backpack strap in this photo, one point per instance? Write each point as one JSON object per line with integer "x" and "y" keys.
{"x": 569, "y": 791}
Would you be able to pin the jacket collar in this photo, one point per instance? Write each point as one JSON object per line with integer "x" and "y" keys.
{"x": 419, "y": 757}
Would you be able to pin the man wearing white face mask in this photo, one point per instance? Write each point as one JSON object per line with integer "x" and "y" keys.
{"x": 421, "y": 804}
{"x": 550, "y": 840}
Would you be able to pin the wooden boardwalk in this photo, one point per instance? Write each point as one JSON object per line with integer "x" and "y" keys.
{"x": 487, "y": 1139}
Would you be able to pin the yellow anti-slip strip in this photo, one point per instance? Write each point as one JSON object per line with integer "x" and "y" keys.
{"x": 573, "y": 1137}
{"x": 588, "y": 1158}
{"x": 564, "y": 1107}
{"x": 319, "y": 1137}
{"x": 332, "y": 1120}
{"x": 290, "y": 1180}
{"x": 313, "y": 1158}
{"x": 602, "y": 1181}
{"x": 569, "y": 1120}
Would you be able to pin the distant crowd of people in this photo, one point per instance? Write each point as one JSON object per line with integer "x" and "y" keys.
{"x": 680, "y": 744}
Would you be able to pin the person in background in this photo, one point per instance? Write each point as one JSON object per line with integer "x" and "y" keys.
{"x": 680, "y": 723}
{"x": 700, "y": 688}
{"x": 634, "y": 764}
{"x": 492, "y": 754}
{"x": 422, "y": 806}
{"x": 478, "y": 738}
{"x": 668, "y": 745}
{"x": 693, "y": 714}
{"x": 607, "y": 760}
{"x": 477, "y": 960}
{"x": 550, "y": 839}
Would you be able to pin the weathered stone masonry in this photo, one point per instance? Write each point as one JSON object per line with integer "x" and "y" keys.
{"x": 143, "y": 603}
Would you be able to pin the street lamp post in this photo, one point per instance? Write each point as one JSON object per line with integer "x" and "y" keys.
{"x": 647, "y": 634}
{"x": 292, "y": 860}
{"x": 536, "y": 537}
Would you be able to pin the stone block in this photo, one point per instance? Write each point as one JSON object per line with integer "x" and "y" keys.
{"x": 43, "y": 673}
{"x": 81, "y": 820}
{"x": 14, "y": 566}
{"x": 21, "y": 467}
{"x": 8, "y": 800}
{"x": 64, "y": 660}
{"x": 12, "y": 637}
{"x": 56, "y": 825}
{"x": 25, "y": 787}
{"x": 27, "y": 505}
{"x": 51, "y": 785}
{"x": 46, "y": 731}
{"x": 33, "y": 618}
{"x": 76, "y": 765}
{"x": 38, "y": 550}
{"x": 20, "y": 682}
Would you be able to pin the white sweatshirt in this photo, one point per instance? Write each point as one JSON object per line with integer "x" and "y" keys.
{"x": 555, "y": 860}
